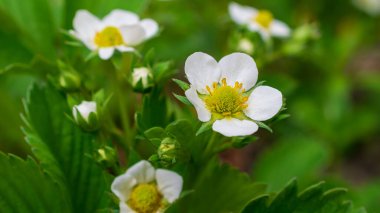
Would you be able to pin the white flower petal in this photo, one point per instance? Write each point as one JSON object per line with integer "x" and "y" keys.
{"x": 133, "y": 34}
{"x": 120, "y": 18}
{"x": 203, "y": 114}
{"x": 169, "y": 183}
{"x": 122, "y": 186}
{"x": 150, "y": 27}
{"x": 142, "y": 171}
{"x": 123, "y": 48}
{"x": 239, "y": 67}
{"x": 263, "y": 103}
{"x": 124, "y": 208}
{"x": 265, "y": 34}
{"x": 106, "y": 53}
{"x": 254, "y": 27}
{"x": 279, "y": 29}
{"x": 241, "y": 14}
{"x": 202, "y": 70}
{"x": 231, "y": 127}
{"x": 85, "y": 24}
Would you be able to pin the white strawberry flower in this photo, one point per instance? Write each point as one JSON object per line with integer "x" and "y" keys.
{"x": 223, "y": 93}
{"x": 142, "y": 188}
{"x": 372, "y": 7}
{"x": 260, "y": 21}
{"x": 120, "y": 30}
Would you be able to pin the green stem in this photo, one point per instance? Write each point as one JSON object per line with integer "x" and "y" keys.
{"x": 209, "y": 151}
{"x": 122, "y": 94}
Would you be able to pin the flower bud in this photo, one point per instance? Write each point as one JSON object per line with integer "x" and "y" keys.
{"x": 105, "y": 156}
{"x": 142, "y": 79}
{"x": 245, "y": 45}
{"x": 69, "y": 81}
{"x": 169, "y": 151}
{"x": 86, "y": 115}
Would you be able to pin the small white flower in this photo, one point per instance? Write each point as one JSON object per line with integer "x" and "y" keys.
{"x": 260, "y": 21}
{"x": 144, "y": 189}
{"x": 223, "y": 93}
{"x": 143, "y": 74}
{"x": 121, "y": 30}
{"x": 372, "y": 7}
{"x": 84, "y": 109}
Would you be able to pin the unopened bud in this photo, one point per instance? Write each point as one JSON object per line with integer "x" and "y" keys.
{"x": 142, "y": 79}
{"x": 169, "y": 151}
{"x": 105, "y": 156}
{"x": 245, "y": 45}
{"x": 69, "y": 81}
{"x": 86, "y": 115}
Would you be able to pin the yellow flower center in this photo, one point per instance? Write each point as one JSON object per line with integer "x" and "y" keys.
{"x": 225, "y": 100}
{"x": 264, "y": 18}
{"x": 145, "y": 198}
{"x": 108, "y": 37}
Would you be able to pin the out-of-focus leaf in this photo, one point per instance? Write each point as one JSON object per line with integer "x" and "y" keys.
{"x": 36, "y": 22}
{"x": 293, "y": 157}
{"x": 61, "y": 146}
{"x": 24, "y": 187}
{"x": 315, "y": 199}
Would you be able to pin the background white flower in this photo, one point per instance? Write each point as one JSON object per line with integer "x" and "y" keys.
{"x": 223, "y": 93}
{"x": 120, "y": 29}
{"x": 372, "y": 7}
{"x": 260, "y": 21}
{"x": 84, "y": 109}
{"x": 144, "y": 189}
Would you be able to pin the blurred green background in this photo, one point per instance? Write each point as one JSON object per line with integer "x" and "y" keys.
{"x": 332, "y": 87}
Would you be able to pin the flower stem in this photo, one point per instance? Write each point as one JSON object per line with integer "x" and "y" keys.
{"x": 209, "y": 151}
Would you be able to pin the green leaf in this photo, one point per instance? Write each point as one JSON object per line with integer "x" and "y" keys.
{"x": 36, "y": 22}
{"x": 184, "y": 86}
{"x": 293, "y": 157}
{"x": 220, "y": 188}
{"x": 154, "y": 111}
{"x": 182, "y": 130}
{"x": 183, "y": 99}
{"x": 24, "y": 187}
{"x": 315, "y": 199}
{"x": 61, "y": 146}
{"x": 155, "y": 133}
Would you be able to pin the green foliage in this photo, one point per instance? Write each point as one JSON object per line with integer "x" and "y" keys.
{"x": 220, "y": 188}
{"x": 154, "y": 111}
{"x": 61, "y": 147}
{"x": 25, "y": 187}
{"x": 315, "y": 199}
{"x": 292, "y": 157}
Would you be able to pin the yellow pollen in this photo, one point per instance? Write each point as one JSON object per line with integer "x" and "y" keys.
{"x": 145, "y": 198}
{"x": 264, "y": 18}
{"x": 226, "y": 100}
{"x": 108, "y": 37}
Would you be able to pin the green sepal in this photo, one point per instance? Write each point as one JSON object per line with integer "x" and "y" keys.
{"x": 204, "y": 127}
{"x": 264, "y": 126}
{"x": 240, "y": 142}
{"x": 183, "y": 85}
{"x": 183, "y": 99}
